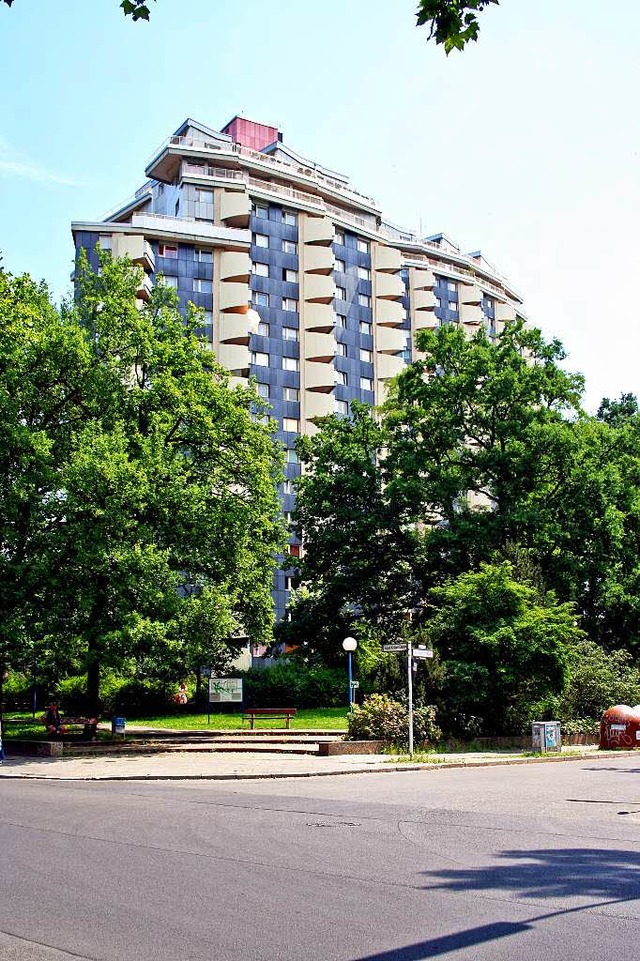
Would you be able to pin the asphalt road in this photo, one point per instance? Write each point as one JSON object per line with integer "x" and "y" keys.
{"x": 537, "y": 862}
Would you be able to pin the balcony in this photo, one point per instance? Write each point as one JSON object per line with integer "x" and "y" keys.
{"x": 234, "y": 265}
{"x": 318, "y": 405}
{"x": 470, "y": 314}
{"x": 185, "y": 229}
{"x": 423, "y": 300}
{"x": 388, "y": 365}
{"x": 319, "y": 347}
{"x": 390, "y": 340}
{"x": 136, "y": 248}
{"x": 318, "y": 377}
{"x": 386, "y": 259}
{"x": 234, "y": 297}
{"x": 234, "y": 357}
{"x": 318, "y": 317}
{"x": 469, "y": 294}
{"x": 389, "y": 313}
{"x": 319, "y": 288}
{"x": 318, "y": 260}
{"x": 234, "y": 328}
{"x": 389, "y": 286}
{"x": 235, "y": 208}
{"x": 422, "y": 279}
{"x": 426, "y": 321}
{"x": 505, "y": 313}
{"x": 318, "y": 230}
{"x": 144, "y": 290}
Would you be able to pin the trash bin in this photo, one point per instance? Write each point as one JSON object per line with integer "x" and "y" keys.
{"x": 620, "y": 727}
{"x": 545, "y": 736}
{"x": 118, "y": 725}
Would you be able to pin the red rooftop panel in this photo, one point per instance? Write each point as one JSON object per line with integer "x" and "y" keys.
{"x": 250, "y": 134}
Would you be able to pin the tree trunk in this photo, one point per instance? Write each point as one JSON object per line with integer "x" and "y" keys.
{"x": 93, "y": 681}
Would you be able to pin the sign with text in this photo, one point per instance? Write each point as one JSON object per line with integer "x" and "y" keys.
{"x": 225, "y": 690}
{"x": 395, "y": 648}
{"x": 422, "y": 652}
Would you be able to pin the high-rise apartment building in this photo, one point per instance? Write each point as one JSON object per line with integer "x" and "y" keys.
{"x": 235, "y": 219}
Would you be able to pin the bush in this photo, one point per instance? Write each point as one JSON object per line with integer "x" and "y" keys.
{"x": 133, "y": 697}
{"x": 382, "y": 718}
{"x": 291, "y": 684}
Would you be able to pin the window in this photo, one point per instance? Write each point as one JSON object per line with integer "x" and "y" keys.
{"x": 288, "y": 581}
{"x": 290, "y": 425}
{"x": 290, "y": 276}
{"x": 366, "y": 329}
{"x": 168, "y": 250}
{"x": 287, "y": 488}
{"x": 364, "y": 273}
{"x": 170, "y": 282}
{"x": 289, "y": 247}
{"x": 204, "y": 196}
{"x": 289, "y": 217}
{"x": 451, "y": 285}
{"x": 294, "y": 550}
{"x": 259, "y": 359}
{"x": 207, "y": 316}
{"x": 263, "y": 329}
{"x": 263, "y": 391}
{"x": 341, "y": 293}
{"x": 261, "y": 240}
{"x": 202, "y": 286}
{"x": 340, "y": 265}
{"x": 366, "y": 383}
{"x": 292, "y": 457}
{"x": 260, "y": 270}
{"x": 363, "y": 246}
{"x": 261, "y": 210}
{"x": 366, "y": 356}
{"x": 341, "y": 320}
{"x": 291, "y": 394}
{"x": 341, "y": 350}
{"x": 290, "y": 363}
{"x": 438, "y": 301}
{"x": 288, "y": 303}
{"x": 338, "y": 237}
{"x": 260, "y": 299}
{"x": 105, "y": 241}
{"x": 364, "y": 300}
{"x": 453, "y": 305}
{"x": 289, "y": 333}
{"x": 203, "y": 256}
{"x": 340, "y": 378}
{"x": 342, "y": 407}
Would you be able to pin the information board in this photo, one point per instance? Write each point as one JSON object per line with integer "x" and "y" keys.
{"x": 225, "y": 690}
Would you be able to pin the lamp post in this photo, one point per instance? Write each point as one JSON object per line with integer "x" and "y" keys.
{"x": 349, "y": 645}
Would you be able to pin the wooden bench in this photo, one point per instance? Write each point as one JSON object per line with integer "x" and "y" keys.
{"x": 89, "y": 727}
{"x": 277, "y": 713}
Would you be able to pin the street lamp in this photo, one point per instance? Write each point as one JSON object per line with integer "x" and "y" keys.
{"x": 349, "y": 645}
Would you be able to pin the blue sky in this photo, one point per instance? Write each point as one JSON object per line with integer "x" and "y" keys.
{"x": 526, "y": 145}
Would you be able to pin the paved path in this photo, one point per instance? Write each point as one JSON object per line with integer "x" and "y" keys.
{"x": 177, "y": 765}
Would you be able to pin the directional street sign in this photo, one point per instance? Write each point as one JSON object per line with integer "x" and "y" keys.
{"x": 422, "y": 652}
{"x": 394, "y": 647}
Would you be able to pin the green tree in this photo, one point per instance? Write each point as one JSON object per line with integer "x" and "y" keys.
{"x": 155, "y": 492}
{"x": 503, "y": 647}
{"x": 131, "y": 8}
{"x": 452, "y": 23}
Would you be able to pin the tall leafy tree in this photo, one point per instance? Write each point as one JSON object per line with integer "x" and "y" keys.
{"x": 453, "y": 23}
{"x": 161, "y": 483}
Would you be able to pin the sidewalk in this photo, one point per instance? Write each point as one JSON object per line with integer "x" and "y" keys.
{"x": 189, "y": 766}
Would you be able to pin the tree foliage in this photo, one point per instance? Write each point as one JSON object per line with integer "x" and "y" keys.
{"x": 138, "y": 513}
{"x": 452, "y": 23}
{"x": 132, "y": 8}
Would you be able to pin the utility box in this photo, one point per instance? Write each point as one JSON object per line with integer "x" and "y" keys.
{"x": 545, "y": 737}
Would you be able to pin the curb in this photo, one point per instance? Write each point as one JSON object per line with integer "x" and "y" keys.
{"x": 397, "y": 768}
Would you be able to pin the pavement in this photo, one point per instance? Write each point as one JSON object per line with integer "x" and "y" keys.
{"x": 186, "y": 765}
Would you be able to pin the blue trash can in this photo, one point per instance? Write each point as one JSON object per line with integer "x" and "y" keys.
{"x": 118, "y": 725}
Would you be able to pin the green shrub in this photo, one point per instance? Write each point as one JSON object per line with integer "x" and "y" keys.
{"x": 382, "y": 718}
{"x": 130, "y": 696}
{"x": 291, "y": 684}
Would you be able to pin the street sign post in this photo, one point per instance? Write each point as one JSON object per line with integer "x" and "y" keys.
{"x": 413, "y": 654}
{"x": 395, "y": 648}
{"x": 422, "y": 652}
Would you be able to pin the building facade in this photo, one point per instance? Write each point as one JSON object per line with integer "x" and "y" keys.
{"x": 234, "y": 219}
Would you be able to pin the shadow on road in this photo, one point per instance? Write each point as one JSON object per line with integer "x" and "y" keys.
{"x": 603, "y": 876}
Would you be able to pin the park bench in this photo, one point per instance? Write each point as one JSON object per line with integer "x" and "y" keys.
{"x": 281, "y": 713}
{"x": 89, "y": 727}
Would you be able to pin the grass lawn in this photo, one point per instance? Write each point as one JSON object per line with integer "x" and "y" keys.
{"x": 319, "y": 718}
